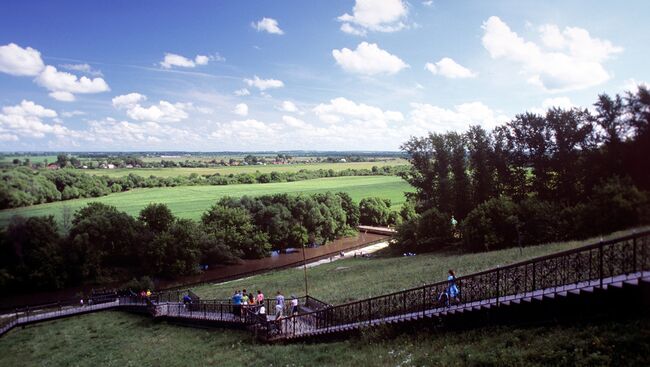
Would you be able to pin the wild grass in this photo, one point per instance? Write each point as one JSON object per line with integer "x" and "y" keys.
{"x": 351, "y": 279}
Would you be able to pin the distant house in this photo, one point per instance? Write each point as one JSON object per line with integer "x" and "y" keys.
{"x": 103, "y": 166}
{"x": 342, "y": 160}
{"x": 111, "y": 166}
{"x": 129, "y": 166}
{"x": 84, "y": 167}
{"x": 53, "y": 166}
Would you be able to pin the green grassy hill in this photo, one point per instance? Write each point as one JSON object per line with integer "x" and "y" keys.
{"x": 119, "y": 339}
{"x": 192, "y": 201}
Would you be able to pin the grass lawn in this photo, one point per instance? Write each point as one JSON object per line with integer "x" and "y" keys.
{"x": 119, "y": 339}
{"x": 180, "y": 171}
{"x": 192, "y": 201}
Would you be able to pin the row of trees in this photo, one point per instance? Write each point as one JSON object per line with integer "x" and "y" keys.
{"x": 104, "y": 244}
{"x": 564, "y": 174}
{"x": 22, "y": 186}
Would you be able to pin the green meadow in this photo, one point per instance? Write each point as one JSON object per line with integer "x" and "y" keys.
{"x": 192, "y": 201}
{"x": 181, "y": 171}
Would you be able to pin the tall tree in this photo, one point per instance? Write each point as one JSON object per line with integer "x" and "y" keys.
{"x": 456, "y": 144}
{"x": 479, "y": 150}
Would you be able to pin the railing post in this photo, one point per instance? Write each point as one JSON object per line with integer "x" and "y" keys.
{"x": 634, "y": 254}
{"x": 534, "y": 283}
{"x": 424, "y": 300}
{"x": 369, "y": 311}
{"x": 600, "y": 255}
{"x": 498, "y": 271}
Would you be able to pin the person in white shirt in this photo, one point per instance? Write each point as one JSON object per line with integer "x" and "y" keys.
{"x": 294, "y": 305}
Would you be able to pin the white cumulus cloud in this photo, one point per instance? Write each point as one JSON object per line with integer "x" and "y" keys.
{"x": 264, "y": 84}
{"x": 373, "y": 15}
{"x": 574, "y": 60}
{"x": 19, "y": 61}
{"x": 170, "y": 60}
{"x": 368, "y": 59}
{"x": 162, "y": 112}
{"x": 26, "y": 119}
{"x": 344, "y": 110}
{"x": 438, "y": 119}
{"x": 64, "y": 85}
{"x": 288, "y": 106}
{"x": 241, "y": 109}
{"x": 294, "y": 122}
{"x": 449, "y": 68}
{"x": 269, "y": 25}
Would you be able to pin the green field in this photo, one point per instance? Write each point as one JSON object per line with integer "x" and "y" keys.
{"x": 120, "y": 339}
{"x": 192, "y": 201}
{"x": 180, "y": 171}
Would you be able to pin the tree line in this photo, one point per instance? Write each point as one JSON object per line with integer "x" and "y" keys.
{"x": 564, "y": 174}
{"x": 103, "y": 244}
{"x": 22, "y": 186}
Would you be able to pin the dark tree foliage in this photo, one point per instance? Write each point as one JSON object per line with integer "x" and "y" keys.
{"x": 157, "y": 217}
{"x": 565, "y": 174}
{"x": 460, "y": 181}
{"x": 32, "y": 254}
{"x": 374, "y": 211}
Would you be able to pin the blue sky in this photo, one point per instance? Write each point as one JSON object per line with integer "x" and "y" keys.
{"x": 284, "y": 75}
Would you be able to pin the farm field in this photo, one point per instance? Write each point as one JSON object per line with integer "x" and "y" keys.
{"x": 192, "y": 201}
{"x": 117, "y": 339}
{"x": 181, "y": 171}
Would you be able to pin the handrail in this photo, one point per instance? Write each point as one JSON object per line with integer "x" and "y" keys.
{"x": 594, "y": 261}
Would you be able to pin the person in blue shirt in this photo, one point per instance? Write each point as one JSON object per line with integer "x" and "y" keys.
{"x": 452, "y": 289}
{"x": 236, "y": 301}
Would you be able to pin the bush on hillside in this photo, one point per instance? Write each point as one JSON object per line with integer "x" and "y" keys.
{"x": 492, "y": 225}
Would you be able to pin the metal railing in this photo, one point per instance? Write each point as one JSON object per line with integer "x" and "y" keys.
{"x": 587, "y": 266}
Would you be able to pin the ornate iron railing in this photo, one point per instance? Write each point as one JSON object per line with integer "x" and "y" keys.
{"x": 586, "y": 266}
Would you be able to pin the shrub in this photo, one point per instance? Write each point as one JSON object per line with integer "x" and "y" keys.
{"x": 490, "y": 226}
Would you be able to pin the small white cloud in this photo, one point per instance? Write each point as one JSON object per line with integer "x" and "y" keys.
{"x": 427, "y": 3}
{"x": 170, "y": 60}
{"x": 264, "y": 84}
{"x": 201, "y": 60}
{"x": 19, "y": 61}
{"x": 64, "y": 85}
{"x": 269, "y": 25}
{"x": 288, "y": 106}
{"x": 62, "y": 96}
{"x": 128, "y": 100}
{"x": 294, "y": 122}
{"x": 162, "y": 112}
{"x": 242, "y": 92}
{"x": 448, "y": 68}
{"x": 373, "y": 15}
{"x": 368, "y": 59}
{"x": 241, "y": 109}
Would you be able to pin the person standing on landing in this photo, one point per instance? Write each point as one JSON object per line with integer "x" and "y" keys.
{"x": 452, "y": 289}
